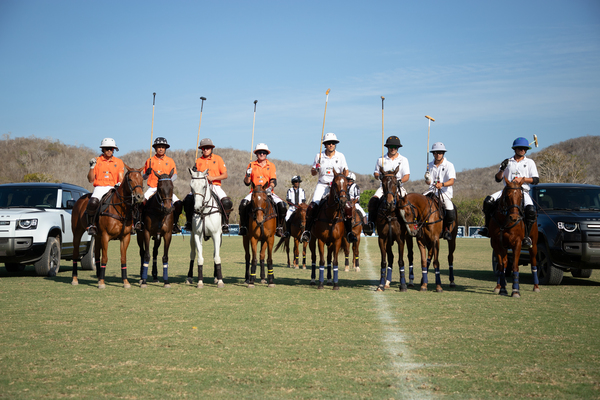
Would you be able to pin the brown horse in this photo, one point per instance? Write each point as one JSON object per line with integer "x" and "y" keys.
{"x": 297, "y": 226}
{"x": 329, "y": 229}
{"x": 389, "y": 230}
{"x": 357, "y": 230}
{"x": 507, "y": 230}
{"x": 157, "y": 217}
{"x": 424, "y": 221}
{"x": 261, "y": 228}
{"x": 114, "y": 221}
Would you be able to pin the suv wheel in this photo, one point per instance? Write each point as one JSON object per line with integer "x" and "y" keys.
{"x": 88, "y": 262}
{"x": 581, "y": 273}
{"x": 14, "y": 268}
{"x": 49, "y": 264}
{"x": 547, "y": 273}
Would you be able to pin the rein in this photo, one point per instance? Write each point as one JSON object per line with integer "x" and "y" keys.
{"x": 424, "y": 222}
{"x": 206, "y": 200}
{"x": 504, "y": 210}
{"x": 122, "y": 205}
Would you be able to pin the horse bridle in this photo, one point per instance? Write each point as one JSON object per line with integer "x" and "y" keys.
{"x": 205, "y": 202}
{"x": 421, "y": 224}
{"x": 505, "y": 209}
{"x": 395, "y": 194}
{"x": 161, "y": 201}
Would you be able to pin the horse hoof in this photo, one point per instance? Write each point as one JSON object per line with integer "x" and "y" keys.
{"x": 189, "y": 281}
{"x": 380, "y": 289}
{"x": 536, "y": 289}
{"x": 312, "y": 282}
{"x": 403, "y": 288}
{"x": 347, "y": 269}
{"x": 439, "y": 289}
{"x": 516, "y": 294}
{"x": 271, "y": 285}
{"x": 423, "y": 289}
{"x": 336, "y": 287}
{"x": 250, "y": 286}
{"x": 200, "y": 285}
{"x": 126, "y": 286}
{"x": 357, "y": 269}
{"x": 296, "y": 267}
{"x": 411, "y": 283}
{"x": 167, "y": 285}
{"x": 263, "y": 281}
{"x": 329, "y": 282}
{"x": 320, "y": 286}
{"x": 452, "y": 284}
{"x": 102, "y": 286}
{"x": 304, "y": 267}
{"x": 154, "y": 279}
{"x": 216, "y": 281}
{"x": 220, "y": 285}
{"x": 503, "y": 292}
{"x": 74, "y": 283}
{"x": 143, "y": 285}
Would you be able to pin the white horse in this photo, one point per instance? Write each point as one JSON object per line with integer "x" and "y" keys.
{"x": 206, "y": 223}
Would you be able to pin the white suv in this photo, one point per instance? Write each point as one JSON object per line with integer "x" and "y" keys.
{"x": 35, "y": 227}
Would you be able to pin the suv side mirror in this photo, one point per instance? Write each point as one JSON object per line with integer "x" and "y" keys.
{"x": 70, "y": 204}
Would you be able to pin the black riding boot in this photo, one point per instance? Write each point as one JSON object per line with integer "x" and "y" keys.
{"x": 188, "y": 208}
{"x": 530, "y": 217}
{"x": 281, "y": 211}
{"x": 177, "y": 208}
{"x": 92, "y": 208}
{"x": 372, "y": 218}
{"x": 488, "y": 209}
{"x": 449, "y": 218}
{"x": 227, "y": 206}
{"x": 310, "y": 220}
{"x": 243, "y": 217}
{"x": 137, "y": 216}
{"x": 288, "y": 227}
{"x": 349, "y": 234}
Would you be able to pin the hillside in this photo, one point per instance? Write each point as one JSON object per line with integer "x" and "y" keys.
{"x": 36, "y": 159}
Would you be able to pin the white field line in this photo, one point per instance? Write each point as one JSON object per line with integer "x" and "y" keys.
{"x": 409, "y": 385}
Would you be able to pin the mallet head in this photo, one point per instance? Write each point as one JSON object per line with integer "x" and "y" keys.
{"x": 535, "y": 140}
{"x": 429, "y": 118}
{"x": 255, "y": 101}
{"x": 202, "y": 98}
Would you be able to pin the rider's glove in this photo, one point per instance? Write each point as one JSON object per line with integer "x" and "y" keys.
{"x": 92, "y": 163}
{"x": 269, "y": 191}
{"x": 503, "y": 165}
{"x": 317, "y": 167}
{"x": 249, "y": 172}
{"x": 118, "y": 184}
{"x": 148, "y": 171}
{"x": 427, "y": 178}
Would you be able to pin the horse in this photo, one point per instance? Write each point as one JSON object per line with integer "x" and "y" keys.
{"x": 451, "y": 249}
{"x": 423, "y": 220}
{"x": 206, "y": 223}
{"x": 297, "y": 226}
{"x": 261, "y": 228}
{"x": 356, "y": 229}
{"x": 114, "y": 221}
{"x": 157, "y": 217}
{"x": 507, "y": 230}
{"x": 389, "y": 230}
{"x": 329, "y": 229}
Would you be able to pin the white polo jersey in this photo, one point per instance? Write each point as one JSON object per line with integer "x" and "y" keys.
{"x": 523, "y": 169}
{"x": 336, "y": 163}
{"x": 442, "y": 173}
{"x": 353, "y": 191}
{"x": 391, "y": 165}
{"x": 295, "y": 196}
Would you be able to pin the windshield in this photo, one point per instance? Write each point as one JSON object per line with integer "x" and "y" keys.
{"x": 577, "y": 199}
{"x": 28, "y": 197}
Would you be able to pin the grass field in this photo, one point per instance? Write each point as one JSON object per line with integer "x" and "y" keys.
{"x": 294, "y": 341}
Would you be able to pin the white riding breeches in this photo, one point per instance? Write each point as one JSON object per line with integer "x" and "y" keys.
{"x": 152, "y": 190}
{"x": 526, "y": 198}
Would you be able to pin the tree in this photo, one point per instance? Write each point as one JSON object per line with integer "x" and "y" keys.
{"x": 555, "y": 166}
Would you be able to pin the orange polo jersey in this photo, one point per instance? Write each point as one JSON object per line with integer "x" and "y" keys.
{"x": 214, "y": 164}
{"x": 159, "y": 165}
{"x": 261, "y": 175}
{"x": 107, "y": 171}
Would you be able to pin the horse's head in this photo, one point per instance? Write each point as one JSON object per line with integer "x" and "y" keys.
{"x": 259, "y": 202}
{"x": 164, "y": 191}
{"x": 133, "y": 185}
{"x": 511, "y": 200}
{"x": 200, "y": 188}
{"x": 339, "y": 190}
{"x": 409, "y": 208}
{"x": 389, "y": 184}
{"x": 301, "y": 215}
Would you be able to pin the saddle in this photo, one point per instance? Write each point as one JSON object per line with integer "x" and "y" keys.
{"x": 438, "y": 202}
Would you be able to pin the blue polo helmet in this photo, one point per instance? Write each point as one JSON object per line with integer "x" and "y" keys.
{"x": 521, "y": 142}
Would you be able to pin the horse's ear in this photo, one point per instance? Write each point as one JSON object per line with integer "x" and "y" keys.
{"x": 205, "y": 172}
{"x": 127, "y": 167}
{"x": 252, "y": 185}
{"x": 191, "y": 171}
{"x": 506, "y": 180}
{"x": 172, "y": 172}
{"x": 397, "y": 169}
{"x": 381, "y": 173}
{"x": 266, "y": 185}
{"x": 155, "y": 174}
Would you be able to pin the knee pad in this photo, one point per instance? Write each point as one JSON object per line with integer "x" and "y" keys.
{"x": 488, "y": 204}
{"x": 243, "y": 204}
{"x": 227, "y": 203}
{"x": 530, "y": 213}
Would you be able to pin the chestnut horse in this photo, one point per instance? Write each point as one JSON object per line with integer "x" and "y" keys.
{"x": 261, "y": 228}
{"x": 507, "y": 230}
{"x": 297, "y": 226}
{"x": 357, "y": 230}
{"x": 423, "y": 220}
{"x": 157, "y": 218}
{"x": 389, "y": 230}
{"x": 114, "y": 221}
{"x": 329, "y": 229}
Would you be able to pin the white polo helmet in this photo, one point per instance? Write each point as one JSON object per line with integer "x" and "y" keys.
{"x": 109, "y": 142}
{"x": 330, "y": 137}
{"x": 351, "y": 176}
{"x": 438, "y": 146}
{"x": 262, "y": 146}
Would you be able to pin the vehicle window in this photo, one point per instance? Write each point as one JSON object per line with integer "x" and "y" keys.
{"x": 66, "y": 196}
{"x": 569, "y": 198}
{"x": 27, "y": 197}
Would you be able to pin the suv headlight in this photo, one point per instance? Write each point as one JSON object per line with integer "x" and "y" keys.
{"x": 568, "y": 226}
{"x": 27, "y": 224}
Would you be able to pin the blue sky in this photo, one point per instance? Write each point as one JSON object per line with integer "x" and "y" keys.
{"x": 488, "y": 72}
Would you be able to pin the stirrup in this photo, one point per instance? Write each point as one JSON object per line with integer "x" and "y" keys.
{"x": 138, "y": 226}
{"x": 351, "y": 237}
{"x": 225, "y": 228}
{"x": 446, "y": 235}
{"x": 526, "y": 242}
{"x": 305, "y": 236}
{"x": 176, "y": 229}
{"x": 243, "y": 231}
{"x": 91, "y": 230}
{"x": 188, "y": 226}
{"x": 279, "y": 232}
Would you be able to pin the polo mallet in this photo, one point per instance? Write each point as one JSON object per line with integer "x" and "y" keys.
{"x": 323, "y": 130}
{"x": 428, "y": 129}
{"x": 199, "y": 125}
{"x": 534, "y": 141}
{"x": 382, "y": 159}
{"x": 253, "y": 121}
{"x": 152, "y": 128}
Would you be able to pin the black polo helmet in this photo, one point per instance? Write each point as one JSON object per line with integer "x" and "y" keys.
{"x": 160, "y": 141}
{"x": 393, "y": 141}
{"x": 296, "y": 178}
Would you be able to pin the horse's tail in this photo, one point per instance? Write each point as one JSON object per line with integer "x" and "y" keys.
{"x": 283, "y": 242}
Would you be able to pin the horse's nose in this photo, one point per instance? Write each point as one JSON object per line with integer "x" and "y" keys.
{"x": 138, "y": 198}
